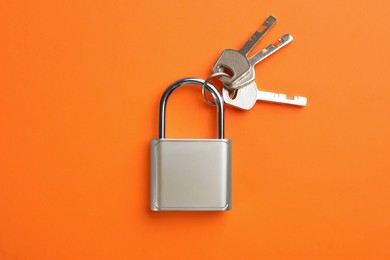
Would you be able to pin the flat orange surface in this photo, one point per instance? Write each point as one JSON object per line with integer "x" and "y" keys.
{"x": 80, "y": 83}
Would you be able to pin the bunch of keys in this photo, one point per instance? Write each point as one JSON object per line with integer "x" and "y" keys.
{"x": 236, "y": 71}
{"x": 196, "y": 174}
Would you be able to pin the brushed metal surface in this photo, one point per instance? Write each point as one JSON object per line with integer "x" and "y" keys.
{"x": 191, "y": 174}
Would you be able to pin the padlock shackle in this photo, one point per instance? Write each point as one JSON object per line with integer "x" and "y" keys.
{"x": 191, "y": 81}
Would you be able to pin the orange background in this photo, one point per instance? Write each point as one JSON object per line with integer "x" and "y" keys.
{"x": 80, "y": 83}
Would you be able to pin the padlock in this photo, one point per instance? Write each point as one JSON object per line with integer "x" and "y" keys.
{"x": 191, "y": 174}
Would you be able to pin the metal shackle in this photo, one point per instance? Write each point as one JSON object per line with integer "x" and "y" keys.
{"x": 191, "y": 81}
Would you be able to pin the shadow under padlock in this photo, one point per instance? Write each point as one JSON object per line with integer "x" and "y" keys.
{"x": 191, "y": 174}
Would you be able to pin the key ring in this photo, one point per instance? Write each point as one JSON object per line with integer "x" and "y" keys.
{"x": 214, "y": 75}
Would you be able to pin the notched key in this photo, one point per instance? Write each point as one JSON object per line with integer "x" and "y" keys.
{"x": 266, "y": 52}
{"x": 237, "y": 61}
{"x": 256, "y": 37}
{"x": 270, "y": 49}
{"x": 246, "y": 97}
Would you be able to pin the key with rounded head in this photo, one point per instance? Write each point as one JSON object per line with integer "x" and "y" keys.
{"x": 266, "y": 52}
{"x": 237, "y": 61}
{"x": 246, "y": 97}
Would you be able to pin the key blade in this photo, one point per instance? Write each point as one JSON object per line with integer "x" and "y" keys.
{"x": 281, "y": 98}
{"x": 270, "y": 49}
{"x": 256, "y": 37}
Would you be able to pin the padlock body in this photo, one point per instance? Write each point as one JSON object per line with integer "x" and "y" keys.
{"x": 191, "y": 174}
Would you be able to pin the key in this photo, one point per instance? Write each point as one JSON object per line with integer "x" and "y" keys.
{"x": 263, "y": 54}
{"x": 237, "y": 61}
{"x": 246, "y": 97}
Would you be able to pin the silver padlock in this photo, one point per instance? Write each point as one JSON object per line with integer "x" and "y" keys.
{"x": 191, "y": 174}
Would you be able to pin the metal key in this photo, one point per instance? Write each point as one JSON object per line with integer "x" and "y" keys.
{"x": 266, "y": 52}
{"x": 237, "y": 61}
{"x": 246, "y": 97}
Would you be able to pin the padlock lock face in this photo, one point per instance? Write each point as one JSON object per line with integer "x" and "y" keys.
{"x": 191, "y": 174}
